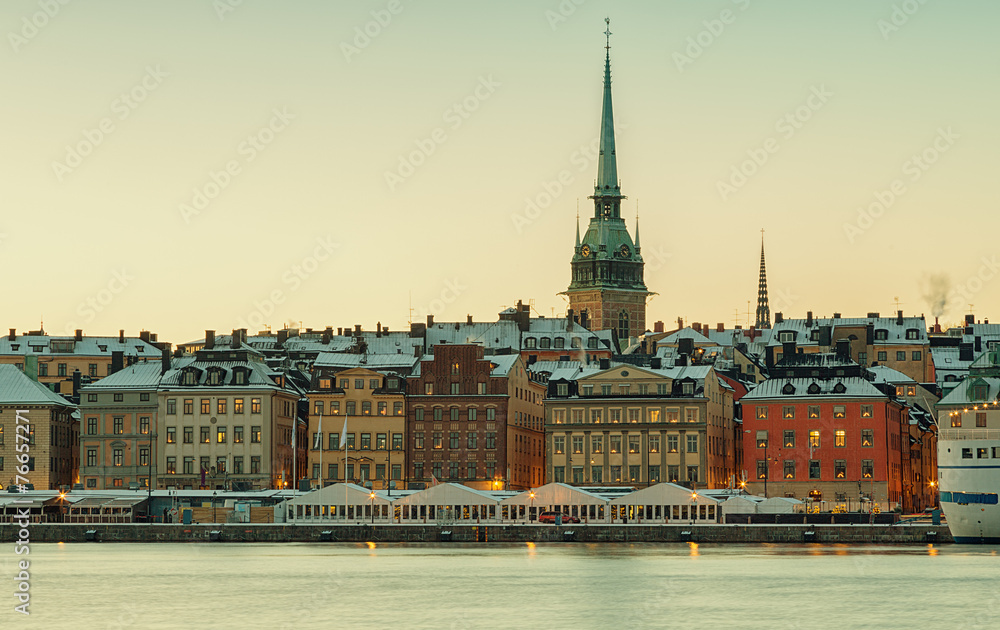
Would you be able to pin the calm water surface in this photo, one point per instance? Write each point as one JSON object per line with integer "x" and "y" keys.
{"x": 507, "y": 586}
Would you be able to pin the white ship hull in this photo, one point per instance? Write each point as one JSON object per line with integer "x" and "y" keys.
{"x": 969, "y": 482}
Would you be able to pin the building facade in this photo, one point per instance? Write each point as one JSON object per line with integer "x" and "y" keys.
{"x": 475, "y": 419}
{"x": 49, "y": 436}
{"x": 365, "y": 410}
{"x": 629, "y": 425}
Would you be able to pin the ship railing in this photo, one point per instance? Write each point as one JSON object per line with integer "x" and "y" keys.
{"x": 969, "y": 434}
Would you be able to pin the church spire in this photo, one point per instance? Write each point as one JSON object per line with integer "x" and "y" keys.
{"x": 763, "y": 310}
{"x": 637, "y": 226}
{"x": 607, "y": 165}
{"x": 577, "y": 225}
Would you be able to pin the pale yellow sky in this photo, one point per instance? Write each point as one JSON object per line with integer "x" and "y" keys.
{"x": 177, "y": 166}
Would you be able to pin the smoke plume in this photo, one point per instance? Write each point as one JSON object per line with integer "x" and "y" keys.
{"x": 935, "y": 289}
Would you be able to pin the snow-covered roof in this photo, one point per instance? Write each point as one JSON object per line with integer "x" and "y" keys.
{"x": 17, "y": 389}
{"x": 845, "y": 387}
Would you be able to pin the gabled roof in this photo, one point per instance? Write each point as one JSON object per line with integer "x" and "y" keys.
{"x": 370, "y": 361}
{"x": 885, "y": 374}
{"x": 259, "y": 375}
{"x": 17, "y": 389}
{"x": 144, "y": 375}
{"x": 88, "y": 346}
{"x": 962, "y": 394}
{"x": 854, "y": 387}
{"x": 895, "y": 332}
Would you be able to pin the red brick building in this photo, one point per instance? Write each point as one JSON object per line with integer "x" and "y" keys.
{"x": 475, "y": 419}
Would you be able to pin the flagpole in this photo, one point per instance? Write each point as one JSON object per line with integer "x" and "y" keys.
{"x": 320, "y": 433}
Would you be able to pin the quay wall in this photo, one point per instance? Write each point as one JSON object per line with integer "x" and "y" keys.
{"x": 483, "y": 533}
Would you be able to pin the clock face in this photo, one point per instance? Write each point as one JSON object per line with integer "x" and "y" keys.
{"x": 625, "y": 251}
{"x": 585, "y": 251}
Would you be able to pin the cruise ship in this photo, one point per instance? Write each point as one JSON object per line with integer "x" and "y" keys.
{"x": 969, "y": 453}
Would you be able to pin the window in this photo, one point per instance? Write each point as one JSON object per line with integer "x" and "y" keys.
{"x": 673, "y": 474}
{"x": 595, "y": 416}
{"x": 366, "y": 408}
{"x": 762, "y": 413}
{"x": 350, "y": 442}
{"x": 813, "y": 412}
{"x": 428, "y": 388}
{"x": 814, "y": 469}
{"x": 418, "y": 439}
{"x": 692, "y": 444}
{"x": 916, "y": 355}
{"x": 472, "y": 412}
{"x": 692, "y": 474}
{"x": 690, "y": 414}
{"x": 437, "y": 439}
{"x": 980, "y": 419}
{"x": 491, "y": 413}
{"x": 254, "y": 464}
{"x": 867, "y": 437}
{"x": 206, "y": 405}
{"x": 221, "y": 406}
{"x": 189, "y": 435}
{"x": 171, "y": 465}
{"x": 144, "y": 425}
{"x": 814, "y": 439}
{"x": 839, "y": 438}
{"x": 862, "y": 358}
{"x": 238, "y": 434}
{"x": 956, "y": 421}
{"x": 171, "y": 435}
{"x": 62, "y": 370}
{"x": 867, "y": 468}
{"x": 901, "y": 355}
{"x": 840, "y": 468}
{"x": 238, "y": 465}
{"x": 597, "y": 444}
{"x": 383, "y": 408}
{"x": 883, "y": 356}
{"x": 616, "y": 444}
{"x": 634, "y": 415}
{"x": 397, "y": 441}
{"x": 254, "y": 435}
{"x": 577, "y": 443}
{"x": 453, "y": 470}
{"x": 881, "y": 334}
{"x": 453, "y": 439}
{"x": 188, "y": 406}
{"x": 633, "y": 444}
{"x": 839, "y": 412}
{"x": 491, "y": 439}
{"x": 672, "y": 441}
{"x": 255, "y": 405}
{"x": 203, "y": 435}
{"x": 654, "y": 444}
{"x": 144, "y": 456}
{"x": 220, "y": 435}
{"x": 788, "y": 413}
{"x": 559, "y": 474}
{"x": 481, "y": 388}
{"x": 366, "y": 441}
{"x": 472, "y": 440}
{"x": 188, "y": 466}
{"x": 789, "y": 470}
{"x": 119, "y": 425}
{"x": 789, "y": 439}
{"x": 91, "y": 456}
{"x": 438, "y": 414}
{"x": 453, "y": 413}
{"x": 220, "y": 464}
{"x": 761, "y": 439}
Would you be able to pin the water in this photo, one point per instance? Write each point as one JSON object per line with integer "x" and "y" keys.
{"x": 507, "y": 586}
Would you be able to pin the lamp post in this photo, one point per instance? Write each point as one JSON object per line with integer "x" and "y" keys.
{"x": 214, "y": 493}
{"x": 531, "y": 508}
{"x": 372, "y": 495}
{"x": 694, "y": 506}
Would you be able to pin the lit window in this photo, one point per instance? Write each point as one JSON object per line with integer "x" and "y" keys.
{"x": 840, "y": 438}
{"x": 814, "y": 439}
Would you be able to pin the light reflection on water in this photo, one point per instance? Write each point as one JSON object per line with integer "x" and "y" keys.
{"x": 517, "y": 585}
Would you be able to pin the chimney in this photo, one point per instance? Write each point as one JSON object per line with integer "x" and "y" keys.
{"x": 357, "y": 330}
{"x": 121, "y": 336}
{"x": 979, "y": 344}
{"x": 899, "y": 318}
{"x": 937, "y": 326}
{"x": 378, "y": 330}
{"x": 787, "y": 350}
{"x": 234, "y": 340}
{"x": 778, "y": 317}
{"x": 76, "y": 384}
{"x": 13, "y": 334}
{"x": 117, "y": 362}
{"x": 720, "y": 327}
{"x": 680, "y": 323}
{"x": 970, "y": 319}
{"x": 165, "y": 359}
{"x": 569, "y": 319}
{"x": 143, "y": 335}
{"x": 809, "y": 319}
{"x": 417, "y": 331}
{"x": 825, "y": 335}
{"x": 417, "y": 350}
{"x": 327, "y": 336}
{"x": 844, "y": 348}
{"x": 209, "y": 339}
{"x": 605, "y": 364}
{"x": 79, "y": 334}
{"x": 685, "y": 345}
{"x": 656, "y": 363}
{"x": 965, "y": 352}
{"x": 468, "y": 319}
{"x": 869, "y": 334}
{"x": 340, "y": 332}
{"x": 836, "y": 315}
{"x": 282, "y": 338}
{"x": 696, "y": 326}
{"x": 430, "y": 321}
{"x": 681, "y": 361}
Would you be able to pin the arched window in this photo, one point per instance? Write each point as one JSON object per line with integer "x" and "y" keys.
{"x": 623, "y": 325}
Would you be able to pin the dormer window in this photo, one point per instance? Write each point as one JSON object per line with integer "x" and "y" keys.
{"x": 530, "y": 342}
{"x": 560, "y": 342}
{"x": 189, "y": 378}
{"x": 813, "y": 388}
{"x": 912, "y": 333}
{"x": 788, "y": 389}
{"x": 576, "y": 342}
{"x": 839, "y": 388}
{"x": 881, "y": 335}
{"x": 786, "y": 336}
{"x": 215, "y": 377}
{"x": 102, "y": 348}
{"x": 240, "y": 377}
{"x": 687, "y": 389}
{"x": 545, "y": 342}
{"x": 814, "y": 335}
{"x": 592, "y": 343}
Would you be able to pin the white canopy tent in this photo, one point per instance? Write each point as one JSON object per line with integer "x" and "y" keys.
{"x": 448, "y": 502}
{"x": 555, "y": 497}
{"x": 780, "y": 505}
{"x": 339, "y": 502}
{"x": 664, "y": 503}
{"x": 741, "y": 504}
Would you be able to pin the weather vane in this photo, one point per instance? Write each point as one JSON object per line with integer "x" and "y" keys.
{"x": 607, "y": 32}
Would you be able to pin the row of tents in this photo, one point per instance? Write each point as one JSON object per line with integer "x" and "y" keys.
{"x": 446, "y": 503}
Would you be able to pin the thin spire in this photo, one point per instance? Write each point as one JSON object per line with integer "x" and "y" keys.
{"x": 607, "y": 166}
{"x": 578, "y": 225}
{"x": 636, "y": 226}
{"x": 763, "y": 309}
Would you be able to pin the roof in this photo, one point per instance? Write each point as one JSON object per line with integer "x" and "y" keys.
{"x": 895, "y": 331}
{"x": 556, "y": 494}
{"x": 17, "y": 389}
{"x": 259, "y": 374}
{"x": 664, "y": 494}
{"x": 885, "y": 374}
{"x": 495, "y": 335}
{"x": 370, "y": 361}
{"x": 963, "y": 394}
{"x": 144, "y": 375}
{"x": 87, "y": 346}
{"x": 853, "y": 387}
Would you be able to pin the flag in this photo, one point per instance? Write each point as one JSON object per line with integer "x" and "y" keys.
{"x": 343, "y": 435}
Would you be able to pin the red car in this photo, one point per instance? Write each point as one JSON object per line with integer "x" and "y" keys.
{"x": 550, "y": 517}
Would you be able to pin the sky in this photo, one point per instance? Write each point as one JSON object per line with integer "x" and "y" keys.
{"x": 217, "y": 164}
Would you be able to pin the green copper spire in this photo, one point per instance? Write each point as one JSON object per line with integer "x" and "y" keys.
{"x": 607, "y": 165}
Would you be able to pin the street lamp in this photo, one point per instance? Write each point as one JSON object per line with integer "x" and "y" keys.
{"x": 372, "y": 495}
{"x": 531, "y": 508}
{"x": 694, "y": 505}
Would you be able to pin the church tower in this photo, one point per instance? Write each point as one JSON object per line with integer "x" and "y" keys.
{"x": 763, "y": 319}
{"x": 607, "y": 290}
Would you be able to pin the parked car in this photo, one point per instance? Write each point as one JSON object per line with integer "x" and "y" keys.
{"x": 550, "y": 517}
